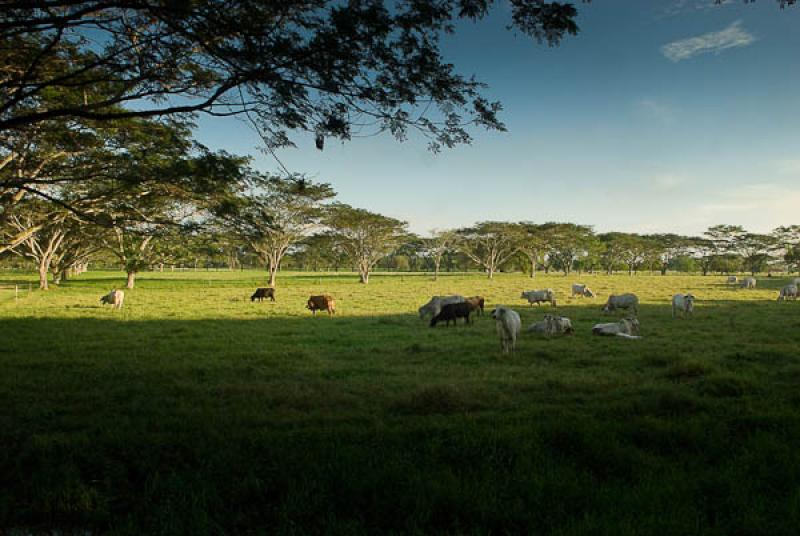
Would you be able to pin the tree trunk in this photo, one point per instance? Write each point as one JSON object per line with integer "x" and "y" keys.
{"x": 131, "y": 280}
{"x": 490, "y": 273}
{"x": 436, "y": 269}
{"x": 43, "y": 276}
{"x": 272, "y": 275}
{"x": 363, "y": 276}
{"x": 533, "y": 268}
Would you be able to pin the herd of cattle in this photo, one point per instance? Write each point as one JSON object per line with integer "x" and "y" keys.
{"x": 507, "y": 321}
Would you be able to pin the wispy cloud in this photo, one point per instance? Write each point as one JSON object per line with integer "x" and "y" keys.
{"x": 678, "y": 7}
{"x": 657, "y": 110}
{"x": 734, "y": 36}
{"x": 667, "y": 182}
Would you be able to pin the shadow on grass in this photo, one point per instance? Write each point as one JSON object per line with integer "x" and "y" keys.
{"x": 381, "y": 424}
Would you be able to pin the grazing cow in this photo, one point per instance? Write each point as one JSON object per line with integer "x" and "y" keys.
{"x": 476, "y": 303}
{"x": 552, "y": 325}
{"x": 434, "y": 306}
{"x": 324, "y": 302}
{"x": 627, "y": 328}
{"x": 748, "y": 282}
{"x": 683, "y": 303}
{"x": 789, "y": 292}
{"x": 452, "y": 311}
{"x": 796, "y": 282}
{"x": 623, "y": 301}
{"x": 581, "y": 290}
{"x": 732, "y": 280}
{"x": 115, "y": 298}
{"x": 262, "y": 293}
{"x": 508, "y": 325}
{"x": 539, "y": 296}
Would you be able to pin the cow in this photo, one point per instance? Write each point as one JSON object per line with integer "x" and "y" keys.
{"x": 476, "y": 303}
{"x": 581, "y": 290}
{"x": 508, "y": 325}
{"x": 683, "y": 303}
{"x": 539, "y": 296}
{"x": 552, "y": 325}
{"x": 323, "y": 302}
{"x": 748, "y": 282}
{"x": 262, "y": 293}
{"x": 627, "y": 328}
{"x": 796, "y": 282}
{"x": 452, "y": 312}
{"x": 114, "y": 298}
{"x": 435, "y": 304}
{"x": 732, "y": 280}
{"x": 789, "y": 292}
{"x": 623, "y": 301}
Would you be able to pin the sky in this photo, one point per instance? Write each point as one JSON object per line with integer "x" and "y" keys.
{"x": 660, "y": 116}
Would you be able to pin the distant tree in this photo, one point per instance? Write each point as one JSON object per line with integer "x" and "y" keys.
{"x": 531, "y": 244}
{"x": 567, "y": 242}
{"x": 489, "y": 244}
{"x": 440, "y": 243}
{"x": 666, "y": 248}
{"x": 364, "y": 236}
{"x": 44, "y": 242}
{"x": 756, "y": 251}
{"x": 278, "y": 215}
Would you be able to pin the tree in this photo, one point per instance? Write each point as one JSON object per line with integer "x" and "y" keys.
{"x": 282, "y": 213}
{"x": 755, "y": 250}
{"x": 489, "y": 244}
{"x": 439, "y": 243}
{"x": 667, "y": 248}
{"x": 43, "y": 244}
{"x": 364, "y": 236}
{"x": 323, "y": 67}
{"x": 531, "y": 243}
{"x": 567, "y": 242}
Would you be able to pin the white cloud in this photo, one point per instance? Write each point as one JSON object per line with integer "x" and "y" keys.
{"x": 657, "y": 110}
{"x": 788, "y": 167}
{"x": 667, "y": 182}
{"x": 734, "y": 36}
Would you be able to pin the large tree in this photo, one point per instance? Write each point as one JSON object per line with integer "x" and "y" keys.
{"x": 279, "y": 214}
{"x": 364, "y": 236}
{"x": 489, "y": 244}
{"x": 437, "y": 245}
{"x": 567, "y": 243}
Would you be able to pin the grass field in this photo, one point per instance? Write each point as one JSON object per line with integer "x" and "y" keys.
{"x": 195, "y": 411}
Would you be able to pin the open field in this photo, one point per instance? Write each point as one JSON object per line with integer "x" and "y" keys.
{"x": 195, "y": 411}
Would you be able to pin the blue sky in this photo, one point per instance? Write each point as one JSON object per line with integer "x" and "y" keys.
{"x": 668, "y": 115}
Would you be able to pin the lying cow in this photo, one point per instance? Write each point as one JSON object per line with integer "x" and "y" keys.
{"x": 732, "y": 280}
{"x": 114, "y": 298}
{"x": 476, "y": 303}
{"x": 508, "y": 325}
{"x": 434, "y": 306}
{"x": 627, "y": 328}
{"x": 789, "y": 292}
{"x": 581, "y": 290}
{"x": 452, "y": 312}
{"x": 552, "y": 325}
{"x": 623, "y": 301}
{"x": 683, "y": 303}
{"x": 539, "y": 296}
{"x": 748, "y": 282}
{"x": 262, "y": 293}
{"x": 324, "y": 302}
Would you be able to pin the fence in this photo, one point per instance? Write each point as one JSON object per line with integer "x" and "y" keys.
{"x": 17, "y": 289}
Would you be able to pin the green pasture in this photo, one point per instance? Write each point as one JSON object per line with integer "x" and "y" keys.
{"x": 194, "y": 411}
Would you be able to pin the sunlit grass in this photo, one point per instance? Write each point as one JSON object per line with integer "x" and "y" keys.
{"x": 194, "y": 410}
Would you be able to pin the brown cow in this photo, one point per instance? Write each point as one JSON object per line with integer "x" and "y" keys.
{"x": 262, "y": 293}
{"x": 323, "y": 302}
{"x": 476, "y": 303}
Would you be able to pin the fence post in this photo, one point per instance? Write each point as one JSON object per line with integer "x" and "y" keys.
{"x": 16, "y": 292}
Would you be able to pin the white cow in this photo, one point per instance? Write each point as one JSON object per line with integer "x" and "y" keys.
{"x": 539, "y": 296}
{"x": 748, "y": 282}
{"x": 552, "y": 325}
{"x": 683, "y": 303}
{"x": 796, "y": 282}
{"x": 789, "y": 292}
{"x": 508, "y": 325}
{"x": 623, "y": 301}
{"x": 115, "y": 298}
{"x": 581, "y": 290}
{"x": 434, "y": 306}
{"x": 732, "y": 280}
{"x": 627, "y": 328}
